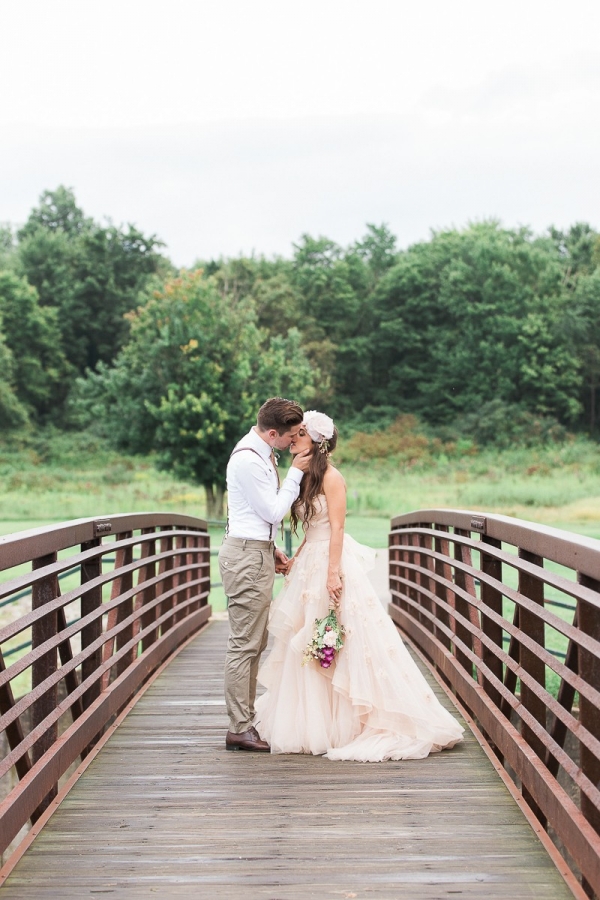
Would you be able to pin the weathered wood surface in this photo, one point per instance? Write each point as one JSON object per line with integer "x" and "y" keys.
{"x": 164, "y": 810}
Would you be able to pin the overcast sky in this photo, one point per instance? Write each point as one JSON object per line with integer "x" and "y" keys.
{"x": 235, "y": 126}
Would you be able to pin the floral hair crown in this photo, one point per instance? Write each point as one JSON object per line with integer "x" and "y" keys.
{"x": 320, "y": 428}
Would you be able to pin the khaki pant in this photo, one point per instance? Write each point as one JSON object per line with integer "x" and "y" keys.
{"x": 248, "y": 572}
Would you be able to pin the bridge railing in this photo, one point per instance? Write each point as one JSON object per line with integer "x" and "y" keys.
{"x": 102, "y": 603}
{"x": 509, "y": 614}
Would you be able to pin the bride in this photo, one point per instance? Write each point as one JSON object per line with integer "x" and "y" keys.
{"x": 372, "y": 703}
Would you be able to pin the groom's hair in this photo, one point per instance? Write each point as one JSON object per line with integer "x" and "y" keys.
{"x": 279, "y": 414}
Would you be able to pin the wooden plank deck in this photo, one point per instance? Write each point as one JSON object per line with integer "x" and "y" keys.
{"x": 164, "y": 811}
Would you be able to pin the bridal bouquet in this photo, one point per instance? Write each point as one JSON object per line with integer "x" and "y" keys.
{"x": 326, "y": 641}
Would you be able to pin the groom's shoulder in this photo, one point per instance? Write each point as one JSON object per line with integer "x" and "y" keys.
{"x": 243, "y": 453}
{"x": 244, "y": 456}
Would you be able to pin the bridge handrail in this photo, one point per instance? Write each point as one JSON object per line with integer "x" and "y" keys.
{"x": 461, "y": 615}
{"x": 23, "y": 546}
{"x": 93, "y": 647}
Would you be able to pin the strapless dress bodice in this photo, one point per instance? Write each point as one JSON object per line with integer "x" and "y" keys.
{"x": 319, "y": 527}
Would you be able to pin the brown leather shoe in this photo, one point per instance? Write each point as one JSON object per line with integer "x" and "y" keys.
{"x": 247, "y": 740}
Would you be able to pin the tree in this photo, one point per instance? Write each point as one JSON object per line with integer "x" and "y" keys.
{"x": 40, "y": 371}
{"x": 278, "y": 304}
{"x": 8, "y": 255}
{"x": 576, "y": 248}
{"x": 378, "y": 249}
{"x": 91, "y": 274}
{"x": 47, "y": 259}
{"x": 549, "y": 373}
{"x": 112, "y": 267}
{"x": 471, "y": 317}
{"x": 57, "y": 211}
{"x": 581, "y": 323}
{"x": 268, "y": 283}
{"x": 333, "y": 285}
{"x": 12, "y": 412}
{"x": 190, "y": 380}
{"x": 283, "y": 369}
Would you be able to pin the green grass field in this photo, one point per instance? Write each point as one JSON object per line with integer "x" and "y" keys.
{"x": 54, "y": 477}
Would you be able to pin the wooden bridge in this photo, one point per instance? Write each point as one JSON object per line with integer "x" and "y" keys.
{"x": 115, "y": 776}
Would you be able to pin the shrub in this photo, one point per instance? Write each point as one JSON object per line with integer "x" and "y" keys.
{"x": 503, "y": 425}
{"x": 403, "y": 441}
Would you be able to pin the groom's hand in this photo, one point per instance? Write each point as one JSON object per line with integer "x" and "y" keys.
{"x": 281, "y": 562}
{"x": 301, "y": 460}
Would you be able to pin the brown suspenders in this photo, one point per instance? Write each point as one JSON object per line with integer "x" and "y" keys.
{"x": 252, "y": 450}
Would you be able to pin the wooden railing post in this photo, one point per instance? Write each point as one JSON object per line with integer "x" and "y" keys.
{"x": 565, "y": 698}
{"x": 413, "y": 592}
{"x": 426, "y": 562}
{"x": 492, "y": 597}
{"x": 462, "y": 606}
{"x": 533, "y": 626}
{"x": 195, "y": 561}
{"x": 393, "y": 562}
{"x": 147, "y": 573}
{"x": 166, "y": 564}
{"x": 442, "y": 570}
{"x": 43, "y": 592}
{"x": 181, "y": 578}
{"x": 202, "y": 564}
{"x": 121, "y": 585}
{"x": 589, "y": 669}
{"x": 405, "y": 557}
{"x": 90, "y": 601}
{"x": 14, "y": 731}
{"x": 65, "y": 653}
{"x": 186, "y": 561}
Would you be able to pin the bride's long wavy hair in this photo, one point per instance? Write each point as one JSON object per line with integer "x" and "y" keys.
{"x": 312, "y": 483}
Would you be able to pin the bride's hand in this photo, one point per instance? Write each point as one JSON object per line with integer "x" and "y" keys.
{"x": 334, "y": 587}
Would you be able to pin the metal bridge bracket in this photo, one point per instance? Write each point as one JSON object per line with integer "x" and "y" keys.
{"x": 102, "y": 528}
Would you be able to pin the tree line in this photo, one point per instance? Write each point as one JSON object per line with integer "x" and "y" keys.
{"x": 481, "y": 331}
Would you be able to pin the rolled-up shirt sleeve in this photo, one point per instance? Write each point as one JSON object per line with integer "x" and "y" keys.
{"x": 260, "y": 493}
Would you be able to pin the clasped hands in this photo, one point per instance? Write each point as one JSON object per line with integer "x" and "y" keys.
{"x": 282, "y": 562}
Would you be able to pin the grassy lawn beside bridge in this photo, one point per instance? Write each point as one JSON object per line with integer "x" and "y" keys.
{"x": 58, "y": 476}
{"x": 53, "y": 477}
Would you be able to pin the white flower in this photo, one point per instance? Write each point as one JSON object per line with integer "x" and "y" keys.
{"x": 318, "y": 425}
{"x": 330, "y": 638}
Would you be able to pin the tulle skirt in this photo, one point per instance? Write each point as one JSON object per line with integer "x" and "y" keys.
{"x": 373, "y": 703}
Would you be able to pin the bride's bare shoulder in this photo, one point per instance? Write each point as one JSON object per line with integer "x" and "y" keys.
{"x": 333, "y": 479}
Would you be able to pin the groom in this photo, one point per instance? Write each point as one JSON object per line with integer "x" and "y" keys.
{"x": 248, "y": 557}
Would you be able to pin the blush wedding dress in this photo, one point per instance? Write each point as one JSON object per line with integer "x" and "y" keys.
{"x": 373, "y": 703}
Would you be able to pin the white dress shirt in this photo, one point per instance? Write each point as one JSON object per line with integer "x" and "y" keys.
{"x": 255, "y": 505}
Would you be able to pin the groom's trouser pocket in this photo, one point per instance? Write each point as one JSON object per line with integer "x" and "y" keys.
{"x": 240, "y": 571}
